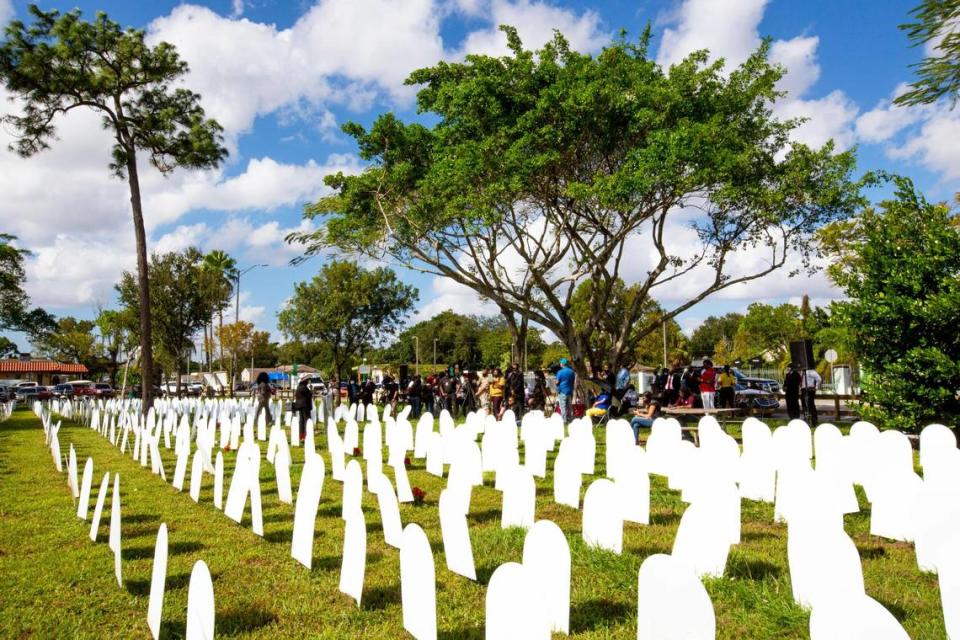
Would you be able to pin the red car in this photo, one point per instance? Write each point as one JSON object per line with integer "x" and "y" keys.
{"x": 103, "y": 390}
{"x": 84, "y": 388}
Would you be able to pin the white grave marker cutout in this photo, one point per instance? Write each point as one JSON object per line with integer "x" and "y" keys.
{"x": 114, "y": 540}
{"x": 282, "y": 468}
{"x": 305, "y": 513}
{"x": 246, "y": 482}
{"x": 546, "y": 556}
{"x": 519, "y": 499}
{"x": 354, "y": 560}
{"x": 98, "y": 508}
{"x": 418, "y": 586}
{"x": 672, "y": 604}
{"x": 513, "y": 607}
{"x": 856, "y": 618}
{"x": 389, "y": 512}
{"x": 196, "y": 476}
{"x": 158, "y": 581}
{"x": 457, "y": 548}
{"x": 83, "y": 506}
{"x": 602, "y": 519}
{"x": 200, "y": 605}
{"x": 352, "y": 488}
{"x": 218, "y": 482}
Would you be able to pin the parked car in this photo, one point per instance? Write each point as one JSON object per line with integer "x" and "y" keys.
{"x": 83, "y": 387}
{"x": 103, "y": 390}
{"x": 315, "y": 383}
{"x": 44, "y": 393}
{"x": 63, "y": 390}
{"x": 756, "y": 393}
{"x": 27, "y": 393}
{"x": 6, "y": 393}
{"x": 26, "y": 383}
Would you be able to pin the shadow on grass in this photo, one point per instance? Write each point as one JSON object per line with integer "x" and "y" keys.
{"x": 243, "y": 619}
{"x": 177, "y": 548}
{"x": 142, "y": 587}
{"x": 282, "y": 536}
{"x": 380, "y": 597}
{"x": 278, "y": 517}
{"x": 751, "y": 569}
{"x": 484, "y": 516}
{"x": 468, "y": 633}
{"x": 664, "y": 518}
{"x": 327, "y": 563}
{"x": 587, "y": 616}
{"x": 139, "y": 518}
{"x": 870, "y": 553}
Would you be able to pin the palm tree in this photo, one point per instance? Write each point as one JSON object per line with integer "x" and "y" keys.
{"x": 225, "y": 267}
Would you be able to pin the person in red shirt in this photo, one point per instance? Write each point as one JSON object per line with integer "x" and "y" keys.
{"x": 708, "y": 384}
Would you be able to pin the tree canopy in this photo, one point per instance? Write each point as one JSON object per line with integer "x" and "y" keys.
{"x": 902, "y": 275}
{"x": 15, "y": 311}
{"x": 547, "y": 169}
{"x": 713, "y": 331}
{"x": 61, "y": 62}
{"x": 936, "y": 23}
{"x": 348, "y": 307}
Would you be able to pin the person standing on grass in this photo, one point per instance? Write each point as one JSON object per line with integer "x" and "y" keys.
{"x": 413, "y": 395}
{"x": 811, "y": 382}
{"x": 566, "y": 381}
{"x": 516, "y": 396}
{"x": 333, "y": 394}
{"x": 538, "y": 398}
{"x": 303, "y": 405}
{"x": 263, "y": 397}
{"x": 497, "y": 384}
{"x": 708, "y": 387}
{"x": 726, "y": 382}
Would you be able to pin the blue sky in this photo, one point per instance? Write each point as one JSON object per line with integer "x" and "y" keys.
{"x": 282, "y": 76}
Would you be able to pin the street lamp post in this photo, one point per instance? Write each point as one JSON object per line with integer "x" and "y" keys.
{"x": 233, "y": 382}
{"x": 434, "y": 356}
{"x": 237, "y": 280}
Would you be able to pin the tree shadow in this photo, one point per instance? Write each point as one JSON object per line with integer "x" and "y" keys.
{"x": 139, "y": 518}
{"x": 243, "y": 619}
{"x": 664, "y": 518}
{"x": 588, "y": 615}
{"x": 484, "y": 516}
{"x": 283, "y": 535}
{"x": 870, "y": 553}
{"x": 467, "y": 633}
{"x": 177, "y": 548}
{"x": 172, "y": 583}
{"x": 380, "y": 597}
{"x": 756, "y": 535}
{"x": 751, "y": 569}
{"x": 278, "y": 517}
{"x": 327, "y": 563}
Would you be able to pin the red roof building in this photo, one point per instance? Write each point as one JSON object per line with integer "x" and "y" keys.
{"x": 42, "y": 371}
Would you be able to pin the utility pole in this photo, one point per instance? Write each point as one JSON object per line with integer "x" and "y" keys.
{"x": 434, "y": 356}
{"x": 664, "y": 325}
{"x": 417, "y": 353}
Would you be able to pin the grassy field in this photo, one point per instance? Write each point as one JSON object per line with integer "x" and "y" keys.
{"x": 56, "y": 583}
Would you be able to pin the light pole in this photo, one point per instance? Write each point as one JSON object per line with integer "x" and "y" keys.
{"x": 434, "y": 356}
{"x": 237, "y": 280}
{"x": 417, "y": 353}
{"x": 233, "y": 381}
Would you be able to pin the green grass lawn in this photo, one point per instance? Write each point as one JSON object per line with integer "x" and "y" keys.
{"x": 56, "y": 583}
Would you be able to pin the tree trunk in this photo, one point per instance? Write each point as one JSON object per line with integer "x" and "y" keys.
{"x": 143, "y": 283}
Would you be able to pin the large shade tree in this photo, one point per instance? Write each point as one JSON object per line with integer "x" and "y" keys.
{"x": 347, "y": 307}
{"x": 899, "y": 264}
{"x": 15, "y": 311}
{"x": 548, "y": 169}
{"x": 60, "y": 63}
{"x": 180, "y": 306}
{"x": 936, "y": 27}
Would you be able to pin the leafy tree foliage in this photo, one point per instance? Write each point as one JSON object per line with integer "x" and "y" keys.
{"x": 15, "y": 312}
{"x": 542, "y": 167}
{"x": 180, "y": 306}
{"x": 902, "y": 275}
{"x": 61, "y": 63}
{"x": 473, "y": 342}
{"x": 712, "y": 332}
{"x": 224, "y": 269}
{"x": 236, "y": 339}
{"x": 767, "y": 330}
{"x": 72, "y": 341}
{"x": 348, "y": 307}
{"x": 938, "y": 75}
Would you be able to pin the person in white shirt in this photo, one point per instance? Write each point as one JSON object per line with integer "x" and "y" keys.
{"x": 811, "y": 382}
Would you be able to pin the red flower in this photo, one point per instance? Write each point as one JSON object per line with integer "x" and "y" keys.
{"x": 418, "y": 496}
{"x": 356, "y": 451}
{"x": 406, "y": 462}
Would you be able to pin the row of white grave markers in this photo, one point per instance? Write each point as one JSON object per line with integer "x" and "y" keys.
{"x": 200, "y": 602}
{"x": 712, "y": 477}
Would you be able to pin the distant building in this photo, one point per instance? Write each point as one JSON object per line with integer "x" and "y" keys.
{"x": 44, "y": 372}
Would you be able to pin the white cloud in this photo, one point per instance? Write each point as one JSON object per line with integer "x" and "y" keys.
{"x": 236, "y": 8}
{"x": 799, "y": 57}
{"x": 830, "y": 117}
{"x": 451, "y": 296}
{"x": 535, "y": 23}
{"x": 250, "y": 312}
{"x": 727, "y": 29}
{"x": 935, "y": 145}
{"x": 886, "y": 120}
{"x": 72, "y": 272}
{"x": 7, "y": 11}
